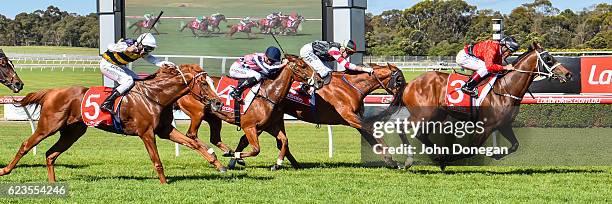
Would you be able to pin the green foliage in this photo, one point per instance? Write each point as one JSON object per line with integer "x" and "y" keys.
{"x": 50, "y": 27}
{"x": 429, "y": 27}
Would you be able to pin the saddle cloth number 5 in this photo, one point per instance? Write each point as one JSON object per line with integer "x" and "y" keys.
{"x": 96, "y": 107}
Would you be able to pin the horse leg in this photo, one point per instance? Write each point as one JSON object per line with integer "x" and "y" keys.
{"x": 355, "y": 122}
{"x": 214, "y": 124}
{"x": 281, "y": 144}
{"x": 410, "y": 159}
{"x": 203, "y": 149}
{"x": 68, "y": 136}
{"x": 508, "y": 133}
{"x": 252, "y": 136}
{"x": 48, "y": 125}
{"x": 242, "y": 144}
{"x": 148, "y": 138}
{"x": 288, "y": 155}
{"x": 194, "y": 33}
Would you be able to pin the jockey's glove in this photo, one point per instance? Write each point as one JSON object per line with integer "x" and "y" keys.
{"x": 368, "y": 70}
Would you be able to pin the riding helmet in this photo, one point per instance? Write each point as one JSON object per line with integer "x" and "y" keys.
{"x": 510, "y": 43}
{"x": 273, "y": 54}
{"x": 147, "y": 39}
{"x": 349, "y": 45}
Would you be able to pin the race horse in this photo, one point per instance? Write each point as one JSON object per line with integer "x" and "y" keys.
{"x": 290, "y": 26}
{"x": 146, "y": 111}
{"x": 338, "y": 103}
{"x": 242, "y": 28}
{"x": 8, "y": 75}
{"x": 264, "y": 113}
{"x": 266, "y": 25}
{"x": 146, "y": 24}
{"x": 194, "y": 25}
{"x": 425, "y": 99}
{"x": 215, "y": 21}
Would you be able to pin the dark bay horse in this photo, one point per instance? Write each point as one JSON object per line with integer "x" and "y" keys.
{"x": 214, "y": 23}
{"x": 266, "y": 26}
{"x": 8, "y": 76}
{"x": 338, "y": 103}
{"x": 290, "y": 27}
{"x": 424, "y": 98}
{"x": 146, "y": 111}
{"x": 264, "y": 113}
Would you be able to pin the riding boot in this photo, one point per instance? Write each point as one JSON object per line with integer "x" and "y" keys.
{"x": 470, "y": 85}
{"x": 237, "y": 93}
{"x": 108, "y": 104}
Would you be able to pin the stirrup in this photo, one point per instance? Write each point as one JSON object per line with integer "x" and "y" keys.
{"x": 468, "y": 91}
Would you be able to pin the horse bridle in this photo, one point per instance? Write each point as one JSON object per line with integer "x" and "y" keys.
{"x": 4, "y": 76}
{"x": 292, "y": 66}
{"x": 393, "y": 77}
{"x": 189, "y": 85}
{"x": 542, "y": 63}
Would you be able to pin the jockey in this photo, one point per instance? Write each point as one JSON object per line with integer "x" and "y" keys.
{"x": 253, "y": 67}
{"x": 318, "y": 51}
{"x": 271, "y": 17}
{"x": 114, "y": 61}
{"x": 484, "y": 58}
{"x": 215, "y": 16}
{"x": 147, "y": 17}
{"x": 245, "y": 21}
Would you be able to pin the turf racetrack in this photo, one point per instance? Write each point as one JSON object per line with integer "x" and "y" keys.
{"x": 103, "y": 167}
{"x": 173, "y": 42}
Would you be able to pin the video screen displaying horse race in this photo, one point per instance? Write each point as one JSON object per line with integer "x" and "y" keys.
{"x": 214, "y": 28}
{"x": 242, "y": 101}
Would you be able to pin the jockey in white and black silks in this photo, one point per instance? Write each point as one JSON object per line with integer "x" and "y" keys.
{"x": 244, "y": 21}
{"x": 114, "y": 61}
{"x": 318, "y": 51}
{"x": 483, "y": 58}
{"x": 273, "y": 16}
{"x": 215, "y": 16}
{"x": 253, "y": 67}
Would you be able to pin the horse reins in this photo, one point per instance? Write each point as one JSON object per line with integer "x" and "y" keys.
{"x": 539, "y": 64}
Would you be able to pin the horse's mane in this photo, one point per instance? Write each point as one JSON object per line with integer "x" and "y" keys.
{"x": 523, "y": 55}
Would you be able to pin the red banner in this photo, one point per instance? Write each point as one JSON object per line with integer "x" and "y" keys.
{"x": 596, "y": 74}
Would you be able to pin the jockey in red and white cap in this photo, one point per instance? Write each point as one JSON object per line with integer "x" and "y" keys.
{"x": 318, "y": 51}
{"x": 253, "y": 67}
{"x": 484, "y": 58}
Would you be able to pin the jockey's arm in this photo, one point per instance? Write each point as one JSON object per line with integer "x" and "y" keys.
{"x": 489, "y": 58}
{"x": 267, "y": 69}
{"x": 117, "y": 47}
{"x": 154, "y": 60}
{"x": 335, "y": 52}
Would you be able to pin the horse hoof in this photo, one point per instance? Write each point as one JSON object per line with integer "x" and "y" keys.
{"x": 222, "y": 169}
{"x": 228, "y": 154}
{"x": 276, "y": 167}
{"x": 232, "y": 164}
{"x": 408, "y": 163}
{"x": 241, "y": 162}
{"x": 442, "y": 167}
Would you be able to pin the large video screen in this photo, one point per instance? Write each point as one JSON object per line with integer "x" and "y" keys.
{"x": 189, "y": 29}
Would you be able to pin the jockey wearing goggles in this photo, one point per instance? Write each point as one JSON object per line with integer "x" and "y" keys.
{"x": 484, "y": 58}
{"x": 114, "y": 64}
{"x": 253, "y": 67}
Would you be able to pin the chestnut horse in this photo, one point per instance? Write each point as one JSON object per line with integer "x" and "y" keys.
{"x": 424, "y": 98}
{"x": 193, "y": 25}
{"x": 140, "y": 24}
{"x": 264, "y": 113}
{"x": 338, "y": 103}
{"x": 266, "y": 27}
{"x": 240, "y": 28}
{"x": 8, "y": 76}
{"x": 290, "y": 27}
{"x": 146, "y": 111}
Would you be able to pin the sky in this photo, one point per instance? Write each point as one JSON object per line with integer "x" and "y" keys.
{"x": 9, "y": 8}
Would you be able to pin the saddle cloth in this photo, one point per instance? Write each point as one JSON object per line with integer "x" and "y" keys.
{"x": 226, "y": 86}
{"x": 457, "y": 100}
